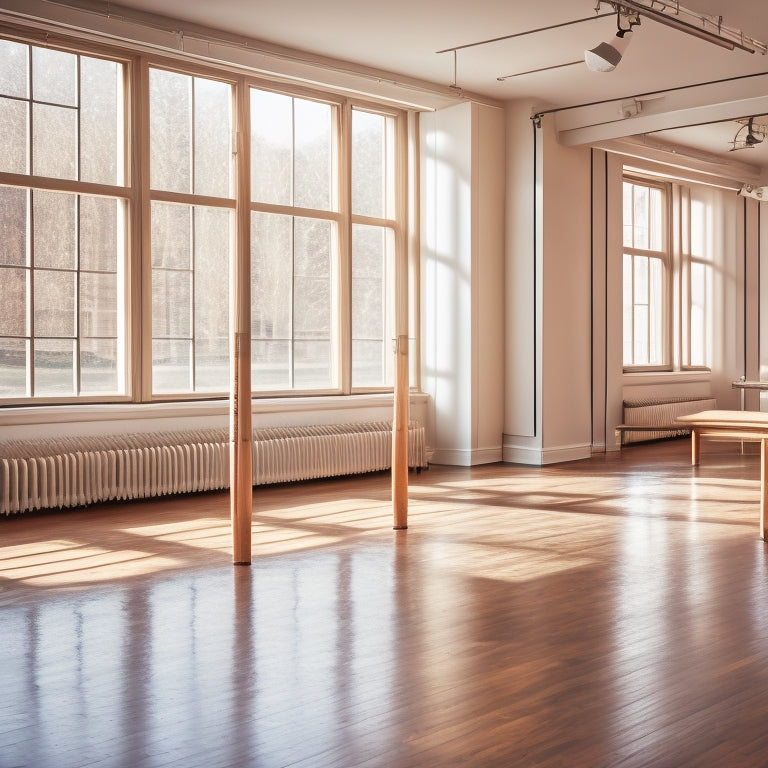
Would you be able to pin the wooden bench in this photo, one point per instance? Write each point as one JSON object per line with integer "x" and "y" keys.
{"x": 745, "y": 426}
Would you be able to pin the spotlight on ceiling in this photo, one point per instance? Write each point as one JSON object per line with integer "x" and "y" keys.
{"x": 606, "y": 55}
{"x": 751, "y": 138}
{"x": 750, "y": 190}
{"x": 754, "y": 135}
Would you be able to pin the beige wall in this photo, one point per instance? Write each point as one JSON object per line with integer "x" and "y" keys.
{"x": 548, "y": 394}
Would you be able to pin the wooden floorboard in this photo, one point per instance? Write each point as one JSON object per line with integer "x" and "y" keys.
{"x": 609, "y": 612}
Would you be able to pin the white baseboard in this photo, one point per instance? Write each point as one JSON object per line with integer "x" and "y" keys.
{"x": 468, "y": 457}
{"x": 514, "y": 454}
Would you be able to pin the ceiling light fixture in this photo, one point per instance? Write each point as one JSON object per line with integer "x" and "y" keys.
{"x": 755, "y": 135}
{"x": 701, "y": 25}
{"x": 606, "y": 55}
{"x": 750, "y": 190}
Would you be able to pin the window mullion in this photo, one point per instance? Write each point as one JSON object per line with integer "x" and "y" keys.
{"x": 345, "y": 248}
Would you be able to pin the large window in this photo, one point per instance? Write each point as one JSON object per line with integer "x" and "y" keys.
{"x": 62, "y": 225}
{"x": 373, "y": 256}
{"x": 294, "y": 243}
{"x": 191, "y": 243}
{"x": 647, "y": 265}
{"x": 699, "y": 247}
{"x": 678, "y": 242}
{"x": 120, "y": 220}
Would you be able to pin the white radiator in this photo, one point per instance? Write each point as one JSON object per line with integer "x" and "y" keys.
{"x": 74, "y": 471}
{"x": 660, "y": 412}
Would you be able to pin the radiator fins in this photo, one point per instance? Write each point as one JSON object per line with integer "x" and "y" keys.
{"x": 663, "y": 412}
{"x": 76, "y": 471}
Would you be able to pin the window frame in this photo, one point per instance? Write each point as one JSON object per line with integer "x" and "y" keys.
{"x": 124, "y": 192}
{"x": 137, "y": 197}
{"x": 666, "y": 257}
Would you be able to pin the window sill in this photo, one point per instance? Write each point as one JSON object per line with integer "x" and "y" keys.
{"x": 667, "y": 377}
{"x": 116, "y": 412}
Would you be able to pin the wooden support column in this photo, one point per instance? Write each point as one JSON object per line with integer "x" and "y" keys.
{"x": 240, "y": 431}
{"x": 400, "y": 436}
{"x": 763, "y": 487}
{"x": 405, "y": 214}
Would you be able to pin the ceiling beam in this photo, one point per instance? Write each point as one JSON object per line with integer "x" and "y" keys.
{"x": 678, "y": 108}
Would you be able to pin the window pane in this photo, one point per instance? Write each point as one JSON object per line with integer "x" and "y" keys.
{"x": 656, "y": 220}
{"x": 13, "y": 225}
{"x": 171, "y": 366}
{"x": 270, "y": 365}
{"x": 98, "y": 366}
{"x": 13, "y": 367}
{"x": 655, "y": 312}
{"x": 213, "y": 150}
{"x": 271, "y": 276}
{"x": 100, "y": 233}
{"x": 14, "y": 117}
{"x": 641, "y": 279}
{"x": 628, "y": 315}
{"x": 271, "y": 147}
{"x": 372, "y": 306}
{"x": 190, "y": 298}
{"x": 13, "y": 303}
{"x": 98, "y": 305}
{"x": 54, "y": 364}
{"x": 171, "y": 236}
{"x": 101, "y": 116}
{"x": 628, "y": 190}
{"x": 640, "y": 222}
{"x": 54, "y": 309}
{"x": 170, "y": 108}
{"x": 14, "y": 69}
{"x": 54, "y": 76}
{"x": 54, "y": 229}
{"x": 190, "y": 134}
{"x": 54, "y": 141}
{"x": 372, "y": 165}
{"x": 698, "y": 228}
{"x": 211, "y": 310}
{"x": 700, "y": 277}
{"x": 172, "y": 303}
{"x": 312, "y": 364}
{"x": 312, "y": 279}
{"x": 292, "y": 298}
{"x": 312, "y": 182}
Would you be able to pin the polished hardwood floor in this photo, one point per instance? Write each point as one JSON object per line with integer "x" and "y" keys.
{"x": 608, "y": 612}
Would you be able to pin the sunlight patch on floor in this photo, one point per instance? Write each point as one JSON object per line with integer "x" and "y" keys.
{"x": 68, "y": 563}
{"x": 508, "y": 563}
{"x": 202, "y": 533}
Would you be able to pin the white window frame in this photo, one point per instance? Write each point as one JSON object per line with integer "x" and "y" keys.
{"x": 665, "y": 257}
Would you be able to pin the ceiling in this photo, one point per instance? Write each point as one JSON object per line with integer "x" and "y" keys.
{"x": 403, "y": 38}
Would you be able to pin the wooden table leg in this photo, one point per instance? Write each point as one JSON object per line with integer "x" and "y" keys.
{"x": 763, "y": 486}
{"x": 695, "y": 447}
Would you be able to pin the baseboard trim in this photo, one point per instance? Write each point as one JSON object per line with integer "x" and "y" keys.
{"x": 515, "y": 454}
{"x": 466, "y": 457}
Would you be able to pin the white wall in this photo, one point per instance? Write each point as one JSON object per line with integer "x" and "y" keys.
{"x": 462, "y": 230}
{"x": 548, "y": 396}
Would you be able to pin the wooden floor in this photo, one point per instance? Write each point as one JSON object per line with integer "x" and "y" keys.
{"x": 609, "y": 612}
